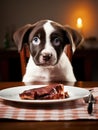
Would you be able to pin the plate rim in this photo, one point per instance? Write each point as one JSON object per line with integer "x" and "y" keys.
{"x": 42, "y": 101}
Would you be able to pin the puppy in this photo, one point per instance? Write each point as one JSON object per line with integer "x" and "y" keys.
{"x": 46, "y": 40}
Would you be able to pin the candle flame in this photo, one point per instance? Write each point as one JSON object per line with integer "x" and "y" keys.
{"x": 79, "y": 23}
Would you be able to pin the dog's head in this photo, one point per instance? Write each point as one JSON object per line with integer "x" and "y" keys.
{"x": 46, "y": 40}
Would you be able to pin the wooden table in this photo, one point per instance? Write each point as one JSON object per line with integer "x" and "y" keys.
{"x": 48, "y": 125}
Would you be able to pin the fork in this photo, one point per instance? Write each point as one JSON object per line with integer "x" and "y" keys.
{"x": 90, "y": 100}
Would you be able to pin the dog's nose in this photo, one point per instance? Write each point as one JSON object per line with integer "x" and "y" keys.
{"x": 47, "y": 56}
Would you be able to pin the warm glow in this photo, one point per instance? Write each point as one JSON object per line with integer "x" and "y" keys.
{"x": 84, "y": 10}
{"x": 79, "y": 23}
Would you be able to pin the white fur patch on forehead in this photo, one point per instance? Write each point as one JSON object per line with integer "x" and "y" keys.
{"x": 48, "y": 28}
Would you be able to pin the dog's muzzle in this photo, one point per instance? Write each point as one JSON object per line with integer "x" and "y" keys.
{"x": 47, "y": 59}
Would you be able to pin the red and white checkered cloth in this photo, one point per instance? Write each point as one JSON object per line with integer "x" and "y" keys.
{"x": 71, "y": 110}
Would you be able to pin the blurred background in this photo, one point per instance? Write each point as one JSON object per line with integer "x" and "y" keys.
{"x": 82, "y": 15}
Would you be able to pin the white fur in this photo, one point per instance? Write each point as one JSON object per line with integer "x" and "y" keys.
{"x": 60, "y": 72}
{"x": 48, "y": 48}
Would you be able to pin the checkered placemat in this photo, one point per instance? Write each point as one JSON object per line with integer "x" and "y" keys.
{"x": 71, "y": 110}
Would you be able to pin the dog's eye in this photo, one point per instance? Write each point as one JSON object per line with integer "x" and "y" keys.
{"x": 56, "y": 42}
{"x": 36, "y": 41}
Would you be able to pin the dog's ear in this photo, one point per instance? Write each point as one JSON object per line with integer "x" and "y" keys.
{"x": 75, "y": 38}
{"x": 21, "y": 36}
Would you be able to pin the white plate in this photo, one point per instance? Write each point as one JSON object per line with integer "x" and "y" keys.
{"x": 12, "y": 94}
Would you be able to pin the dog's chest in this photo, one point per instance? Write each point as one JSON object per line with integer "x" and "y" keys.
{"x": 50, "y": 74}
{"x": 53, "y": 73}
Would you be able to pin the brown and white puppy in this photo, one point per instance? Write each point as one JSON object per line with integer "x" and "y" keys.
{"x": 46, "y": 40}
